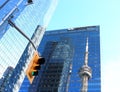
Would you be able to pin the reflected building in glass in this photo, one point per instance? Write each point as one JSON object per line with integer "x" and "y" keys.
{"x": 64, "y": 51}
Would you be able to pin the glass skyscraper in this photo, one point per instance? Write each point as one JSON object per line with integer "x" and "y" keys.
{"x": 31, "y": 17}
{"x": 64, "y": 51}
{"x": 5, "y": 78}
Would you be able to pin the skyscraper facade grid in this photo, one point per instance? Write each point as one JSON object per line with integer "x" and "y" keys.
{"x": 64, "y": 51}
{"x": 28, "y": 17}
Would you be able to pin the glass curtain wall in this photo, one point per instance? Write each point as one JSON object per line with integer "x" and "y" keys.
{"x": 12, "y": 44}
{"x": 78, "y": 37}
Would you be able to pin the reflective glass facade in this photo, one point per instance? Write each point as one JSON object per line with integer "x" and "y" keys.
{"x": 64, "y": 51}
{"x": 58, "y": 55}
{"x": 27, "y": 17}
{"x": 5, "y": 78}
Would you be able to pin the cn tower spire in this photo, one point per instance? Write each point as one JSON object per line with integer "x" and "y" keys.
{"x": 86, "y": 53}
{"x": 85, "y": 71}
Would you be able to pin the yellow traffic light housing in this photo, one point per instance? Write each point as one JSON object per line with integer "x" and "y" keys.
{"x": 34, "y": 66}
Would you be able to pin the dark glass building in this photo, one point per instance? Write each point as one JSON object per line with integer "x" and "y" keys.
{"x": 64, "y": 51}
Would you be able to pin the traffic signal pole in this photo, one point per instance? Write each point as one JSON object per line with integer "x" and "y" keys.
{"x": 25, "y": 60}
{"x": 36, "y": 61}
{"x": 21, "y": 32}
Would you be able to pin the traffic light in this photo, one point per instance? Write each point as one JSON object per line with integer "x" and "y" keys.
{"x": 34, "y": 66}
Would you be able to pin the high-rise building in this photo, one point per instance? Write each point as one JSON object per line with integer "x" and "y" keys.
{"x": 72, "y": 61}
{"x": 28, "y": 16}
{"x": 58, "y": 55}
{"x": 5, "y": 78}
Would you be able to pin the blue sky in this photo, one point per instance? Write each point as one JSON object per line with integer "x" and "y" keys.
{"x": 76, "y": 13}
